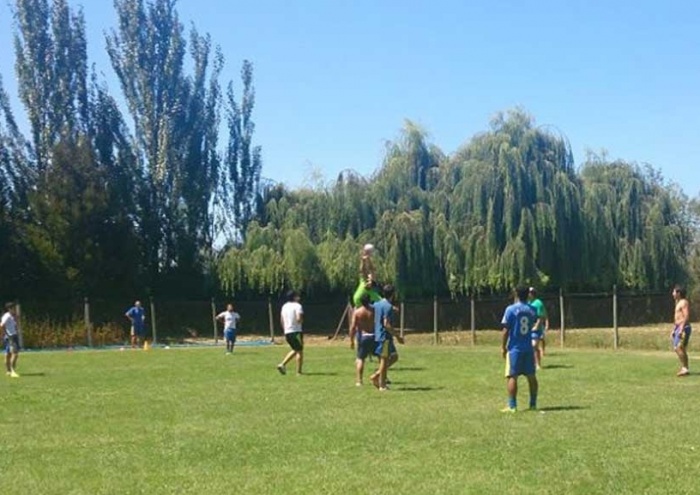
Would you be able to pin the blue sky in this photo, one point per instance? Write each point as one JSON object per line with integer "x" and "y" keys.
{"x": 335, "y": 79}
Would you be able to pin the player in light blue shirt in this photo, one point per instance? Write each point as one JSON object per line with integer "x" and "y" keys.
{"x": 385, "y": 349}
{"x": 518, "y": 320}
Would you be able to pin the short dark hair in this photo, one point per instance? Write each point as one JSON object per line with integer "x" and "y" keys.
{"x": 388, "y": 291}
{"x": 291, "y": 295}
{"x": 365, "y": 300}
{"x": 9, "y": 306}
{"x": 532, "y": 291}
{"x": 680, "y": 289}
{"x": 522, "y": 293}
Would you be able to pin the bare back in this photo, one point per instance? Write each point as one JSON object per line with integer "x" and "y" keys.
{"x": 682, "y": 313}
{"x": 364, "y": 319}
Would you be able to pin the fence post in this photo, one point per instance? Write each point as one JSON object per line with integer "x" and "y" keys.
{"x": 269, "y": 316}
{"x": 616, "y": 334}
{"x": 401, "y": 319}
{"x": 435, "y": 320}
{"x": 562, "y": 319}
{"x": 88, "y": 324}
{"x": 472, "y": 318}
{"x": 153, "y": 321}
{"x": 213, "y": 322}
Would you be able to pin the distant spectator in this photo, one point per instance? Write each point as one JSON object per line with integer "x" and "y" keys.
{"x": 230, "y": 319}
{"x": 137, "y": 317}
{"x": 8, "y": 323}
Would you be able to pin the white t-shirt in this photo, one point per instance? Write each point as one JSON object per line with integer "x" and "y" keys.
{"x": 230, "y": 319}
{"x": 291, "y": 314}
{"x": 9, "y": 324}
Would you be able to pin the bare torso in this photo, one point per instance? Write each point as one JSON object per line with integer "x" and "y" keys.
{"x": 682, "y": 314}
{"x": 364, "y": 320}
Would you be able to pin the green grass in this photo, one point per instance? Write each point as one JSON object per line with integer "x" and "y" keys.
{"x": 193, "y": 421}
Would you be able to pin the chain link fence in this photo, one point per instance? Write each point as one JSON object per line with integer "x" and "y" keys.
{"x": 99, "y": 322}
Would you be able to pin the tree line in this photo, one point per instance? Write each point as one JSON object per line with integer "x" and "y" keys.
{"x": 510, "y": 206}
{"x": 103, "y": 201}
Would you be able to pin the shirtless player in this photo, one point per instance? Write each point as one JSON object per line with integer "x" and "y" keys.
{"x": 681, "y": 331}
{"x": 362, "y": 330}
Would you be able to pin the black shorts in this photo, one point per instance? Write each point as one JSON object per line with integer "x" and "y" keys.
{"x": 295, "y": 341}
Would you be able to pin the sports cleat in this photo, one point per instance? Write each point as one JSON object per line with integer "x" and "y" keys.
{"x": 532, "y": 408}
{"x": 14, "y": 374}
{"x": 281, "y": 369}
{"x": 509, "y": 410}
{"x": 683, "y": 372}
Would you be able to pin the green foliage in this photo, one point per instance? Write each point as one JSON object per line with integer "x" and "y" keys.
{"x": 509, "y": 207}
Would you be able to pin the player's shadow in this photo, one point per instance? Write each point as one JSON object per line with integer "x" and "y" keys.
{"x": 558, "y": 366}
{"x": 407, "y": 368}
{"x": 321, "y": 373}
{"x": 417, "y": 389}
{"x": 562, "y": 408}
{"x": 33, "y": 374}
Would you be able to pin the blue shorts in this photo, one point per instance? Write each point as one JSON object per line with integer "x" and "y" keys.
{"x": 681, "y": 336}
{"x": 230, "y": 335}
{"x": 138, "y": 331}
{"x": 520, "y": 363}
{"x": 537, "y": 334}
{"x": 365, "y": 345}
{"x": 385, "y": 348}
{"x": 11, "y": 343}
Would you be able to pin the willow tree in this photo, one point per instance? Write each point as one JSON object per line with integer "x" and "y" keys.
{"x": 515, "y": 206}
{"x": 637, "y": 234}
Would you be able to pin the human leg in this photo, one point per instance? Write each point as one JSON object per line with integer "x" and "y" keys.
{"x": 534, "y": 386}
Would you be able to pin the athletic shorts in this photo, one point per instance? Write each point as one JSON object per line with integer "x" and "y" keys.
{"x": 385, "y": 349}
{"x": 365, "y": 345}
{"x": 230, "y": 335}
{"x": 520, "y": 363}
{"x": 137, "y": 331}
{"x": 537, "y": 334}
{"x": 681, "y": 336}
{"x": 11, "y": 344}
{"x": 295, "y": 341}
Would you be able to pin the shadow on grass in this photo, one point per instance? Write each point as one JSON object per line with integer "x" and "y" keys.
{"x": 561, "y": 408}
{"x": 407, "y": 368}
{"x": 320, "y": 373}
{"x": 418, "y": 389}
{"x": 33, "y": 374}
{"x": 558, "y": 366}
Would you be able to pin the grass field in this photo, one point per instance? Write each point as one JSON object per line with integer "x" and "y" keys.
{"x": 184, "y": 421}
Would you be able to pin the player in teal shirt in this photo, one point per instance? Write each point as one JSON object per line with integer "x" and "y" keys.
{"x": 541, "y": 326}
{"x": 518, "y": 321}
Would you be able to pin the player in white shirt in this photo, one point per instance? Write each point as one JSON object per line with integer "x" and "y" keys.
{"x": 230, "y": 319}
{"x": 10, "y": 334}
{"x": 291, "y": 319}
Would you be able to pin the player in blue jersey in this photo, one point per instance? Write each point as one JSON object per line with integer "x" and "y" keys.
{"x": 384, "y": 337}
{"x": 137, "y": 317}
{"x": 518, "y": 321}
